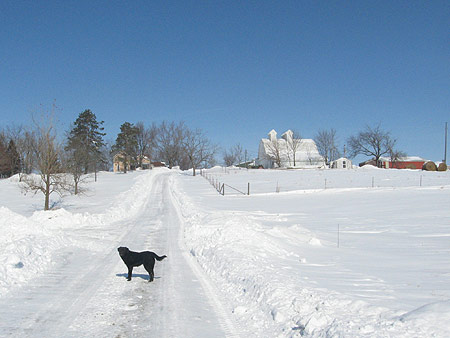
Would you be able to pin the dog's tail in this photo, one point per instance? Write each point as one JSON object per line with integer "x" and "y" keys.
{"x": 159, "y": 258}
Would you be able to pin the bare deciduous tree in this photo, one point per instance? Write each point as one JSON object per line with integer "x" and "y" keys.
{"x": 293, "y": 141}
{"x": 239, "y": 153}
{"x": 26, "y": 151}
{"x": 146, "y": 141}
{"x": 373, "y": 142}
{"x": 395, "y": 156}
{"x": 235, "y": 155}
{"x": 73, "y": 163}
{"x": 198, "y": 148}
{"x": 274, "y": 151}
{"x": 170, "y": 142}
{"x": 229, "y": 158}
{"x": 47, "y": 153}
{"x": 108, "y": 155}
{"x": 326, "y": 143}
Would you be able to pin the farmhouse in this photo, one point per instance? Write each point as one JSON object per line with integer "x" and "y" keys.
{"x": 123, "y": 162}
{"x": 288, "y": 152}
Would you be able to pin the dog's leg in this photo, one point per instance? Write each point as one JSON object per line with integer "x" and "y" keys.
{"x": 149, "y": 267}
{"x": 130, "y": 271}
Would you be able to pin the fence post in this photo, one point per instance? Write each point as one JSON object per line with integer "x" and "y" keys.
{"x": 248, "y": 189}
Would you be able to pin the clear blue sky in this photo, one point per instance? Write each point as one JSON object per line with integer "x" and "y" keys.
{"x": 235, "y": 69}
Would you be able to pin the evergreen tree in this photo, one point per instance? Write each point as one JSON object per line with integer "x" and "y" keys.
{"x": 85, "y": 141}
{"x": 127, "y": 145}
{"x": 4, "y": 158}
{"x": 14, "y": 159}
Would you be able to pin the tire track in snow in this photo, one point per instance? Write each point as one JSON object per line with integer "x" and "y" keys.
{"x": 175, "y": 304}
{"x": 129, "y": 309}
{"x": 226, "y": 321}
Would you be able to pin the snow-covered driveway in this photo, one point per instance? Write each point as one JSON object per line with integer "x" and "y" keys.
{"x": 85, "y": 292}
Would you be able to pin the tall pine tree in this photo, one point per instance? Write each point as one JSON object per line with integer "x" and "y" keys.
{"x": 14, "y": 159}
{"x": 126, "y": 145}
{"x": 85, "y": 141}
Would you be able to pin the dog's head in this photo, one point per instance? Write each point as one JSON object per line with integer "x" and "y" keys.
{"x": 123, "y": 251}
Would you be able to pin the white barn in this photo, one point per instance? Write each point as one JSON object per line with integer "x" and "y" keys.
{"x": 275, "y": 153}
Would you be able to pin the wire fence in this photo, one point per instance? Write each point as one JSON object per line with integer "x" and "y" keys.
{"x": 220, "y": 186}
{"x": 237, "y": 181}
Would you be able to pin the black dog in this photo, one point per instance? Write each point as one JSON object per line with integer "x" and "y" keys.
{"x": 131, "y": 259}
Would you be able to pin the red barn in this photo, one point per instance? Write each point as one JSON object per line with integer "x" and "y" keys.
{"x": 410, "y": 162}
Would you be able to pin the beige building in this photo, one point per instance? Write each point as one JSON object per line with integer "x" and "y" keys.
{"x": 121, "y": 158}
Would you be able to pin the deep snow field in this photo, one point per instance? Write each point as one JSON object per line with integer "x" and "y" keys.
{"x": 323, "y": 253}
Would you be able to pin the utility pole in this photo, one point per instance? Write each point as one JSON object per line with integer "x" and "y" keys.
{"x": 445, "y": 145}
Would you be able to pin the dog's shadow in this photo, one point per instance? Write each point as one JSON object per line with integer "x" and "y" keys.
{"x": 136, "y": 275}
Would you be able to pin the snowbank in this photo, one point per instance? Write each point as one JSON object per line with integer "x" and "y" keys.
{"x": 262, "y": 268}
{"x": 26, "y": 248}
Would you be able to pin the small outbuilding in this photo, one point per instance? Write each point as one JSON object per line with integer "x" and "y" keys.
{"x": 158, "y": 164}
{"x": 341, "y": 163}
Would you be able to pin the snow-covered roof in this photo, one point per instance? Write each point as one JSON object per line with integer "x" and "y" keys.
{"x": 343, "y": 159}
{"x": 405, "y": 159}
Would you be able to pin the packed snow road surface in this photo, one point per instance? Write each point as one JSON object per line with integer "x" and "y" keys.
{"x": 85, "y": 292}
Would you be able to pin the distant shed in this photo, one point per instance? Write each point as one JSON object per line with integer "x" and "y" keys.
{"x": 341, "y": 163}
{"x": 158, "y": 164}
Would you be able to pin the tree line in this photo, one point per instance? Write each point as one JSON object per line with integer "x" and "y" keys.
{"x": 171, "y": 142}
{"x": 48, "y": 163}
{"x": 372, "y": 141}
